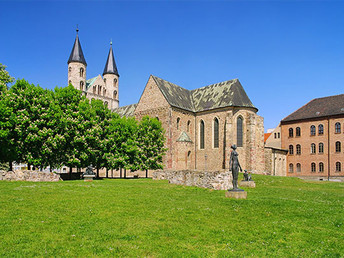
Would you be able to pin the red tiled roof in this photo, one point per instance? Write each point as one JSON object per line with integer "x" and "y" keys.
{"x": 266, "y": 136}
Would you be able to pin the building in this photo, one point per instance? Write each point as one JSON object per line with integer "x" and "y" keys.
{"x": 313, "y": 136}
{"x": 201, "y": 124}
{"x": 104, "y": 88}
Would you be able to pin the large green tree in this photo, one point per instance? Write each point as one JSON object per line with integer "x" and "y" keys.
{"x": 5, "y": 78}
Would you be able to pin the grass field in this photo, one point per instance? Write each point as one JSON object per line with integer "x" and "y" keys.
{"x": 281, "y": 217}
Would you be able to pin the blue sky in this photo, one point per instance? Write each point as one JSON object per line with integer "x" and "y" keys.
{"x": 284, "y": 53}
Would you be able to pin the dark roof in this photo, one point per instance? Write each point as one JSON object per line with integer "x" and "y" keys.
{"x": 126, "y": 111}
{"x": 223, "y": 94}
{"x": 110, "y": 66}
{"x": 320, "y": 107}
{"x": 76, "y": 55}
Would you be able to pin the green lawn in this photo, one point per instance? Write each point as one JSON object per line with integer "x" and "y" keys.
{"x": 281, "y": 217}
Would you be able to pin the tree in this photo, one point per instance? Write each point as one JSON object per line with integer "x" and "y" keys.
{"x": 5, "y": 78}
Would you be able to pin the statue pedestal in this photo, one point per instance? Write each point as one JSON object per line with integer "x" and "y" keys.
{"x": 233, "y": 194}
{"x": 249, "y": 184}
{"x": 89, "y": 178}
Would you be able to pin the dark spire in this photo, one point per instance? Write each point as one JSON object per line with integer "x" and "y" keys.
{"x": 110, "y": 66}
{"x": 77, "y": 55}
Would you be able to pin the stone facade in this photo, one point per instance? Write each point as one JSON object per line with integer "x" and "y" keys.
{"x": 213, "y": 180}
{"x": 27, "y": 175}
{"x": 275, "y": 161}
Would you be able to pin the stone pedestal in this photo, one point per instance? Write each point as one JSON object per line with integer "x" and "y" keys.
{"x": 89, "y": 178}
{"x": 236, "y": 194}
{"x": 250, "y": 184}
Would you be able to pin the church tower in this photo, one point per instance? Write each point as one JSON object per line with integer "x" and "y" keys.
{"x": 111, "y": 76}
{"x": 77, "y": 66}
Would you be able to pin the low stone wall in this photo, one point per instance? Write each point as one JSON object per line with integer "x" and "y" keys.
{"x": 213, "y": 180}
{"x": 27, "y": 175}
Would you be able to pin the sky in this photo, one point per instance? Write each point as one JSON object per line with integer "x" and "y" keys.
{"x": 284, "y": 53}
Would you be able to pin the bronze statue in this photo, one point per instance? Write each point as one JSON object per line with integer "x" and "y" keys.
{"x": 89, "y": 171}
{"x": 247, "y": 176}
{"x": 234, "y": 166}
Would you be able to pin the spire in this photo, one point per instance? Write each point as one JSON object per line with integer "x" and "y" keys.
{"x": 77, "y": 55}
{"x": 110, "y": 66}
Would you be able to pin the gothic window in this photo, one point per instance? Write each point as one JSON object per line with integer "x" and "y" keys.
{"x": 201, "y": 134}
{"x": 298, "y": 167}
{"x": 239, "y": 131}
{"x": 291, "y": 168}
{"x": 275, "y": 135}
{"x": 298, "y": 149}
{"x": 338, "y": 167}
{"x": 115, "y": 94}
{"x": 312, "y": 130}
{"x": 178, "y": 122}
{"x": 115, "y": 82}
{"x": 338, "y": 147}
{"x": 313, "y": 167}
{"x": 81, "y": 72}
{"x": 321, "y": 147}
{"x": 291, "y": 149}
{"x": 313, "y": 148}
{"x": 216, "y": 133}
{"x": 188, "y": 126}
{"x": 337, "y": 127}
{"x": 69, "y": 69}
{"x": 298, "y": 131}
{"x": 94, "y": 89}
{"x": 278, "y": 135}
{"x": 81, "y": 85}
{"x": 291, "y": 132}
{"x": 321, "y": 167}
{"x": 320, "y": 129}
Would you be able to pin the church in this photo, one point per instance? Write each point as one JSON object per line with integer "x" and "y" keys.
{"x": 200, "y": 125}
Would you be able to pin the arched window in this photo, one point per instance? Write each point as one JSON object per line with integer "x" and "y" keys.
{"x": 338, "y": 147}
{"x": 94, "y": 89}
{"x": 104, "y": 92}
{"x": 201, "y": 135}
{"x": 70, "y": 82}
{"x": 81, "y": 85}
{"x": 106, "y": 104}
{"x": 313, "y": 148}
{"x": 313, "y": 167}
{"x": 216, "y": 133}
{"x": 291, "y": 149}
{"x": 321, "y": 147}
{"x": 291, "y": 168}
{"x": 188, "y": 126}
{"x": 69, "y": 69}
{"x": 279, "y": 135}
{"x": 298, "y": 167}
{"x": 298, "y": 131}
{"x": 298, "y": 149}
{"x": 320, "y": 129}
{"x": 115, "y": 82}
{"x": 81, "y": 72}
{"x": 115, "y": 94}
{"x": 338, "y": 167}
{"x": 105, "y": 81}
{"x": 291, "y": 132}
{"x": 337, "y": 127}
{"x": 178, "y": 122}
{"x": 239, "y": 131}
{"x": 275, "y": 135}
{"x": 312, "y": 130}
{"x": 321, "y": 167}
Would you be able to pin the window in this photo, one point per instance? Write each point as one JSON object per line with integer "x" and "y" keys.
{"x": 298, "y": 131}
{"x": 313, "y": 148}
{"x": 81, "y": 85}
{"x": 106, "y": 104}
{"x": 239, "y": 131}
{"x": 337, "y": 127}
{"x": 201, "y": 134}
{"x": 275, "y": 135}
{"x": 298, "y": 149}
{"x": 313, "y": 167}
{"x": 298, "y": 167}
{"x": 188, "y": 126}
{"x": 291, "y": 132}
{"x": 81, "y": 72}
{"x": 312, "y": 130}
{"x": 115, "y": 82}
{"x": 291, "y": 168}
{"x": 338, "y": 167}
{"x": 291, "y": 149}
{"x": 69, "y": 69}
{"x": 105, "y": 81}
{"x": 104, "y": 92}
{"x": 216, "y": 133}
{"x": 338, "y": 147}
{"x": 278, "y": 135}
{"x": 320, "y": 129}
{"x": 70, "y": 82}
{"x": 321, "y": 167}
{"x": 178, "y": 122}
{"x": 321, "y": 147}
{"x": 94, "y": 89}
{"x": 115, "y": 94}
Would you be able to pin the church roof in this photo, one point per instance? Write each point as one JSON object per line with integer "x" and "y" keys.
{"x": 126, "y": 111}
{"x": 89, "y": 82}
{"x": 110, "y": 66}
{"x": 77, "y": 55}
{"x": 320, "y": 107}
{"x": 223, "y": 94}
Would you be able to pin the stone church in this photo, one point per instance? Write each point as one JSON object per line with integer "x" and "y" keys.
{"x": 200, "y": 124}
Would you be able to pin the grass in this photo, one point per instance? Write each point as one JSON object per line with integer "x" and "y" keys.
{"x": 280, "y": 217}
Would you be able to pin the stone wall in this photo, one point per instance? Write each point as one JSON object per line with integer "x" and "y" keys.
{"x": 26, "y": 175}
{"x": 213, "y": 180}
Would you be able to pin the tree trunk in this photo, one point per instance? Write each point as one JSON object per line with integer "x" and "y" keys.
{"x": 120, "y": 172}
{"x": 70, "y": 173}
{"x": 107, "y": 171}
{"x": 125, "y": 173}
{"x": 10, "y": 166}
{"x": 28, "y": 166}
{"x": 97, "y": 172}
{"x": 146, "y": 173}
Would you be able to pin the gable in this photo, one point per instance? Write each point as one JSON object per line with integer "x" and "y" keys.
{"x": 95, "y": 81}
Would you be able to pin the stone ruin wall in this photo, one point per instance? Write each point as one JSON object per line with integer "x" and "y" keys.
{"x": 28, "y": 175}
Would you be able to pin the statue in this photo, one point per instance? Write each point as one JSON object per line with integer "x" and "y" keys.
{"x": 234, "y": 166}
{"x": 89, "y": 171}
{"x": 247, "y": 176}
